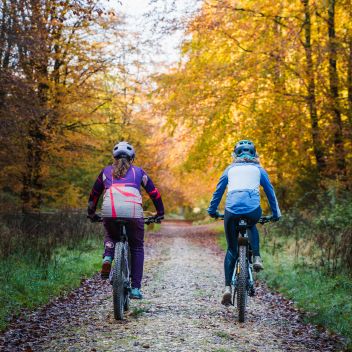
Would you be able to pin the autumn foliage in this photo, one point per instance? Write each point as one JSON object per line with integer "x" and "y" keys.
{"x": 65, "y": 96}
{"x": 278, "y": 73}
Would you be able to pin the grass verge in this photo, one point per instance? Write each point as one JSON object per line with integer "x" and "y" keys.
{"x": 152, "y": 228}
{"x": 326, "y": 299}
{"x": 27, "y": 283}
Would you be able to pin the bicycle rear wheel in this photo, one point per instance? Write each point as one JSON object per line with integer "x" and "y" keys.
{"x": 118, "y": 285}
{"x": 242, "y": 275}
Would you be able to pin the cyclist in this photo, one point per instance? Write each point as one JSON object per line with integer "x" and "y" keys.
{"x": 120, "y": 183}
{"x": 242, "y": 179}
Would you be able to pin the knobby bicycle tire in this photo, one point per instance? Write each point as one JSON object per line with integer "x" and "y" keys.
{"x": 242, "y": 284}
{"x": 118, "y": 289}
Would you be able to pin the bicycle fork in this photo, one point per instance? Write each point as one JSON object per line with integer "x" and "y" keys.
{"x": 126, "y": 284}
{"x": 250, "y": 283}
{"x": 251, "y": 289}
{"x": 250, "y": 279}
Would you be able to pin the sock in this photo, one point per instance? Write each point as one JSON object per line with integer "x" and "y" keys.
{"x": 107, "y": 259}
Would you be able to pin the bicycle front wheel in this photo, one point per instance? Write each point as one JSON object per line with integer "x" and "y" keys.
{"x": 242, "y": 275}
{"x": 118, "y": 289}
{"x": 127, "y": 272}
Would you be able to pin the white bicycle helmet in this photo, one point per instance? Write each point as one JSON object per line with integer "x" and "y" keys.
{"x": 123, "y": 149}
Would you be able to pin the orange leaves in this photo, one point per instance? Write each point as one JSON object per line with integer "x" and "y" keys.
{"x": 245, "y": 74}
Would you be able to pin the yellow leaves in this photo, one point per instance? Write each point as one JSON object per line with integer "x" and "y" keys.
{"x": 245, "y": 76}
{"x": 100, "y": 45}
{"x": 70, "y": 197}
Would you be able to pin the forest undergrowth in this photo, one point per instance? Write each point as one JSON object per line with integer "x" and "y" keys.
{"x": 43, "y": 256}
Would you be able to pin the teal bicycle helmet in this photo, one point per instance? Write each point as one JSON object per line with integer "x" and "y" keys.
{"x": 245, "y": 148}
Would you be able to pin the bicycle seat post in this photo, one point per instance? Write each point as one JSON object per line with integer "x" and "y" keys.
{"x": 123, "y": 224}
{"x": 242, "y": 225}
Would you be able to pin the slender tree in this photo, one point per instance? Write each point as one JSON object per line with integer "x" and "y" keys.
{"x": 334, "y": 92}
{"x": 311, "y": 98}
{"x": 349, "y": 81}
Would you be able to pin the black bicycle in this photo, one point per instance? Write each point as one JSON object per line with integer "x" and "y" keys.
{"x": 243, "y": 277}
{"x": 120, "y": 275}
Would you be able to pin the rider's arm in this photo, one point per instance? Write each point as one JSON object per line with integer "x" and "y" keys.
{"x": 153, "y": 193}
{"x": 220, "y": 189}
{"x": 270, "y": 193}
{"x": 95, "y": 194}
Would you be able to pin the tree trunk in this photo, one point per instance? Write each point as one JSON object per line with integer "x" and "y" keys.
{"x": 279, "y": 90}
{"x": 31, "y": 177}
{"x": 39, "y": 59}
{"x": 334, "y": 93}
{"x": 317, "y": 146}
{"x": 349, "y": 83}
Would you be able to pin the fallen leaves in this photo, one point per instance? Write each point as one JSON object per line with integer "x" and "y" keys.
{"x": 180, "y": 312}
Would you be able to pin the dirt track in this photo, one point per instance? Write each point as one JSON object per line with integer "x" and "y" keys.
{"x": 181, "y": 312}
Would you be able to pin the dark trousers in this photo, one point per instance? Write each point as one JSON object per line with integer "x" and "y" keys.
{"x": 135, "y": 235}
{"x": 230, "y": 223}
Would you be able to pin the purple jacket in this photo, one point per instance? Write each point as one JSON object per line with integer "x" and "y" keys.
{"x": 122, "y": 197}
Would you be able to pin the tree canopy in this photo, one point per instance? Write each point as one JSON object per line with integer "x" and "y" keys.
{"x": 278, "y": 73}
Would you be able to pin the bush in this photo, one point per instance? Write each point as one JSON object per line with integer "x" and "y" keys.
{"x": 39, "y": 234}
{"x": 322, "y": 230}
{"x": 44, "y": 255}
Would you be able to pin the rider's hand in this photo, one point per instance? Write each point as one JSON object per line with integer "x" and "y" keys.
{"x": 94, "y": 217}
{"x": 214, "y": 215}
{"x": 158, "y": 218}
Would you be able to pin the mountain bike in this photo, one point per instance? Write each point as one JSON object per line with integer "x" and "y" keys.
{"x": 243, "y": 275}
{"x": 120, "y": 275}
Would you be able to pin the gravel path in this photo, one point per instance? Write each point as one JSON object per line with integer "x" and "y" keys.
{"x": 180, "y": 312}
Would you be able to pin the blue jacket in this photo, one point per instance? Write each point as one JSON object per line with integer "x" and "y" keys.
{"x": 243, "y": 180}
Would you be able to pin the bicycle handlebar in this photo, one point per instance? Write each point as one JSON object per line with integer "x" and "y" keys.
{"x": 97, "y": 218}
{"x": 152, "y": 219}
{"x": 263, "y": 220}
{"x": 148, "y": 220}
